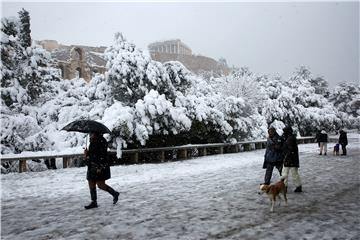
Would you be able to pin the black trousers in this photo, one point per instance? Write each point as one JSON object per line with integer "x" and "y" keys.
{"x": 343, "y": 147}
{"x": 269, "y": 171}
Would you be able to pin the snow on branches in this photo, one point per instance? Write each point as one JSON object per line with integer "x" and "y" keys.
{"x": 146, "y": 103}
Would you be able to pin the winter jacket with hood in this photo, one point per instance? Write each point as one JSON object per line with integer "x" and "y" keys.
{"x": 290, "y": 149}
{"x": 273, "y": 153}
{"x": 343, "y": 138}
{"x": 323, "y": 137}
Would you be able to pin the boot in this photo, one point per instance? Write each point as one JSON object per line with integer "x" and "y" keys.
{"x": 298, "y": 189}
{"x": 93, "y": 203}
{"x": 114, "y": 193}
{"x": 116, "y": 197}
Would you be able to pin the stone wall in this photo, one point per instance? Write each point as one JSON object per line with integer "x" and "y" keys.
{"x": 194, "y": 63}
{"x": 76, "y": 61}
{"x": 49, "y": 45}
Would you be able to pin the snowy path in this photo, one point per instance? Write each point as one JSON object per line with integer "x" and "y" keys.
{"x": 213, "y": 197}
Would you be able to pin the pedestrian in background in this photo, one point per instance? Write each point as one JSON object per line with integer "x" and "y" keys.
{"x": 343, "y": 141}
{"x": 323, "y": 140}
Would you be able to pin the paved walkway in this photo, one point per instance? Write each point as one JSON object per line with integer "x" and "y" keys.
{"x": 213, "y": 197}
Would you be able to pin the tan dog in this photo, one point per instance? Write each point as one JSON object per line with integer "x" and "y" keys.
{"x": 273, "y": 191}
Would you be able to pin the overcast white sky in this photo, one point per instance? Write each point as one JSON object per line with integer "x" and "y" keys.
{"x": 269, "y": 38}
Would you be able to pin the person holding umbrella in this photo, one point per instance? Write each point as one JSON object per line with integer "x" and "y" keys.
{"x": 96, "y": 158}
{"x": 98, "y": 169}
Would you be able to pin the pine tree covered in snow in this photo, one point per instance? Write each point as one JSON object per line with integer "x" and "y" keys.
{"x": 9, "y": 26}
{"x": 24, "y": 29}
{"x": 11, "y": 90}
{"x": 23, "y": 71}
{"x": 24, "y": 67}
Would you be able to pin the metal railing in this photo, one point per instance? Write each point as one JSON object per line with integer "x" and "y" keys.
{"x": 135, "y": 156}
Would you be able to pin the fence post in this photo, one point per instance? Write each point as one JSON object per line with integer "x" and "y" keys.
{"x": 182, "y": 153}
{"x": 221, "y": 150}
{"x": 162, "y": 156}
{"x": 202, "y": 151}
{"x": 22, "y": 166}
{"x": 135, "y": 157}
{"x": 233, "y": 148}
{"x": 246, "y": 147}
{"x": 236, "y": 148}
{"x": 65, "y": 162}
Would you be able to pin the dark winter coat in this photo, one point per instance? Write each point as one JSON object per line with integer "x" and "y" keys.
{"x": 343, "y": 138}
{"x": 273, "y": 153}
{"x": 323, "y": 137}
{"x": 290, "y": 151}
{"x": 98, "y": 164}
{"x": 318, "y": 137}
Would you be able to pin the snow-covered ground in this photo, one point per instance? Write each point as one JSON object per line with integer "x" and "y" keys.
{"x": 213, "y": 197}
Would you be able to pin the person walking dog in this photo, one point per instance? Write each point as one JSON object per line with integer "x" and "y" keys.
{"x": 273, "y": 155}
{"x": 98, "y": 169}
{"x": 343, "y": 141}
{"x": 291, "y": 158}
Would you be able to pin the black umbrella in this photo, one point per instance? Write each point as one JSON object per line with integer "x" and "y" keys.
{"x": 86, "y": 126}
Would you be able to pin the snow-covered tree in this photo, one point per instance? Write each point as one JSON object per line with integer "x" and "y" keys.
{"x": 24, "y": 68}
{"x": 149, "y": 88}
{"x": 295, "y": 102}
{"x": 132, "y": 74}
{"x": 216, "y": 116}
{"x": 241, "y": 84}
{"x": 179, "y": 76}
{"x": 346, "y": 98}
{"x": 24, "y": 29}
{"x": 9, "y": 26}
{"x": 147, "y": 103}
{"x": 11, "y": 89}
{"x": 321, "y": 86}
